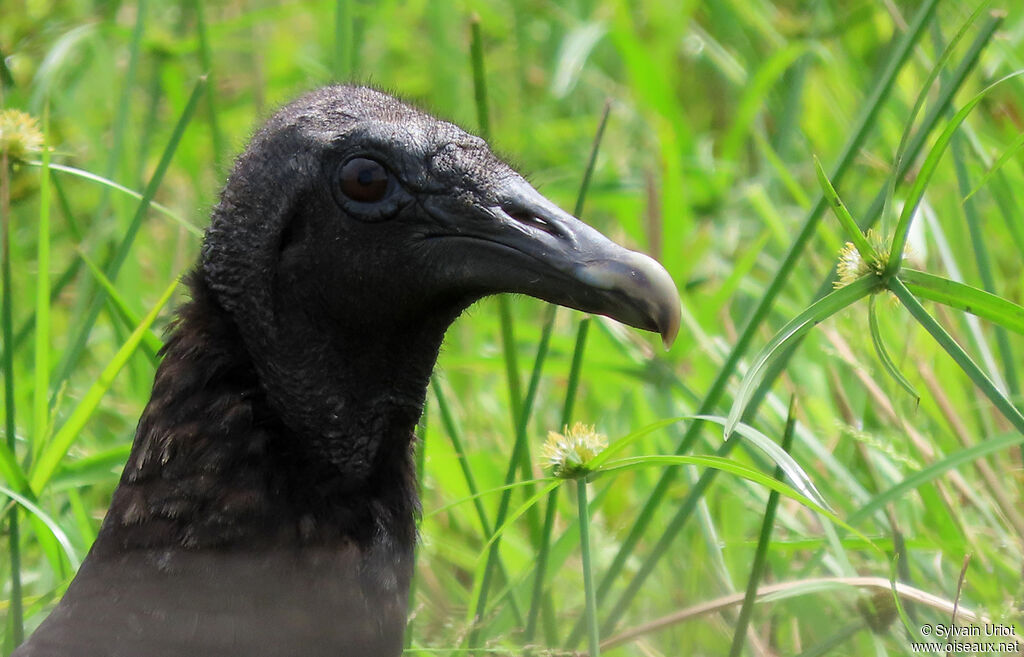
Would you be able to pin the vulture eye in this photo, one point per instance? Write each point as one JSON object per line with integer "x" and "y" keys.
{"x": 364, "y": 180}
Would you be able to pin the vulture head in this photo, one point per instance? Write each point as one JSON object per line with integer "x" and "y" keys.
{"x": 354, "y": 229}
{"x": 365, "y": 214}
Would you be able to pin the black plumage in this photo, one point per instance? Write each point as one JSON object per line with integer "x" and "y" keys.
{"x": 268, "y": 506}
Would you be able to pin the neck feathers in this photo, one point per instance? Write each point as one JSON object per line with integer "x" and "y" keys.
{"x": 215, "y": 463}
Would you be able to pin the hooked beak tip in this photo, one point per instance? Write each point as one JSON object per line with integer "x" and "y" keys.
{"x": 648, "y": 287}
{"x": 664, "y": 303}
{"x": 670, "y": 330}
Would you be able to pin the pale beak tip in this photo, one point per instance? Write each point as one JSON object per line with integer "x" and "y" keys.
{"x": 669, "y": 325}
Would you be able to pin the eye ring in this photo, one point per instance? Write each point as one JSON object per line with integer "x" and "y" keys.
{"x": 364, "y": 180}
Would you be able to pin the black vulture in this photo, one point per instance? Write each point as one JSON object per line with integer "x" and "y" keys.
{"x": 268, "y": 505}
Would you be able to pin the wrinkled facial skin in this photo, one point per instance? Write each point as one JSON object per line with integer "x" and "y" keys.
{"x": 440, "y": 183}
{"x": 454, "y": 223}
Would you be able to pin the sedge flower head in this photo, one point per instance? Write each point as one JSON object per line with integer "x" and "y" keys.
{"x": 569, "y": 452}
{"x": 852, "y": 264}
{"x": 19, "y": 134}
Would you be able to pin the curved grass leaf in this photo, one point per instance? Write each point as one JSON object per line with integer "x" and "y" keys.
{"x": 731, "y": 467}
{"x": 106, "y": 182}
{"x": 801, "y": 480}
{"x": 883, "y": 355}
{"x": 66, "y": 435}
{"x": 50, "y": 523}
{"x": 572, "y": 55}
{"x": 620, "y": 444}
{"x": 1009, "y": 154}
{"x": 49, "y": 73}
{"x": 936, "y": 470}
{"x": 965, "y": 297}
{"x": 946, "y": 341}
{"x": 947, "y": 53}
{"x": 931, "y": 162}
{"x": 825, "y": 307}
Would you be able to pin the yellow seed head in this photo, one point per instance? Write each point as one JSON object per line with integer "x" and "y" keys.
{"x": 19, "y": 134}
{"x": 569, "y": 452}
{"x": 852, "y": 266}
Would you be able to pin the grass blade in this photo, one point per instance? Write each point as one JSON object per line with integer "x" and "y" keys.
{"x": 508, "y": 341}
{"x": 10, "y": 470}
{"x": 754, "y": 99}
{"x": 590, "y": 594}
{"x": 540, "y": 572}
{"x": 448, "y": 421}
{"x": 984, "y": 263}
{"x": 1008, "y": 410}
{"x": 455, "y": 435}
{"x": 106, "y": 182}
{"x": 622, "y": 443}
{"x": 343, "y": 40}
{"x": 41, "y": 360}
{"x": 883, "y": 355}
{"x": 932, "y": 472}
{"x": 899, "y": 239}
{"x": 482, "y": 494}
{"x": 51, "y": 524}
{"x": 1008, "y": 155}
{"x": 724, "y": 465}
{"x": 926, "y": 87}
{"x": 476, "y": 54}
{"x": 783, "y": 461}
{"x": 124, "y": 102}
{"x": 16, "y": 618}
{"x": 964, "y": 297}
{"x": 843, "y": 215}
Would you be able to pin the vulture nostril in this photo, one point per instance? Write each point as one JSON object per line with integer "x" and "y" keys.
{"x": 531, "y": 219}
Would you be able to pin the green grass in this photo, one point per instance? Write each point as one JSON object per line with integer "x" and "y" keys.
{"x": 710, "y": 118}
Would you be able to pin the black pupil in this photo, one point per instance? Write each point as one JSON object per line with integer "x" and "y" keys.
{"x": 364, "y": 180}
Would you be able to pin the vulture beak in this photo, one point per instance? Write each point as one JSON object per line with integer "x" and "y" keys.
{"x": 540, "y": 250}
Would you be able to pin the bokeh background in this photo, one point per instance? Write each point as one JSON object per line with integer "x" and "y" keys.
{"x": 716, "y": 110}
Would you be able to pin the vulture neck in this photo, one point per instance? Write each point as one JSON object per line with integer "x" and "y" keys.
{"x": 302, "y": 443}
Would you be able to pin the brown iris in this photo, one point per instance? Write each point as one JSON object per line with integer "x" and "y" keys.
{"x": 364, "y": 180}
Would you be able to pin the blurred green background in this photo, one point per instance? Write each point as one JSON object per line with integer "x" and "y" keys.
{"x": 716, "y": 111}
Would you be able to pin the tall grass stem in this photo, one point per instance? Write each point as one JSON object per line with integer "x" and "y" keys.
{"x": 593, "y": 631}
